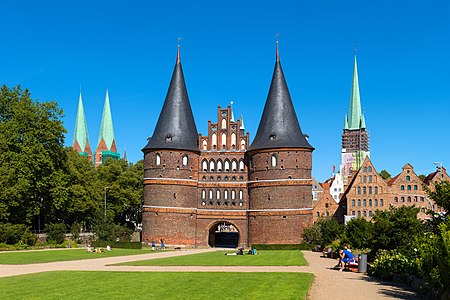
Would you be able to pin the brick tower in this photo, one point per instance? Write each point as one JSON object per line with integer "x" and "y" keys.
{"x": 171, "y": 169}
{"x": 355, "y": 138}
{"x": 280, "y": 161}
{"x": 81, "y": 136}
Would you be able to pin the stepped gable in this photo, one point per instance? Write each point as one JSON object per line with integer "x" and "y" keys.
{"x": 176, "y": 126}
{"x": 279, "y": 127}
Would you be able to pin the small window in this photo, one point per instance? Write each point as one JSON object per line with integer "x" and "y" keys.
{"x": 402, "y": 188}
{"x": 415, "y": 198}
{"x": 359, "y": 213}
{"x": 395, "y": 199}
{"x": 203, "y": 194}
{"x": 375, "y": 202}
{"x": 364, "y": 190}
{"x": 241, "y": 165}
{"x": 408, "y": 178}
{"x": 233, "y": 194}
{"x": 317, "y": 214}
{"x": 370, "y": 190}
{"x": 415, "y": 187}
{"x": 370, "y": 178}
{"x": 210, "y": 194}
{"x": 225, "y": 194}
{"x": 403, "y": 199}
{"x": 359, "y": 202}
{"x": 158, "y": 159}
{"x": 359, "y": 190}
{"x": 370, "y": 213}
{"x": 365, "y": 169}
{"x": 375, "y": 190}
{"x": 422, "y": 199}
{"x": 409, "y": 199}
{"x": 185, "y": 160}
{"x": 274, "y": 160}
{"x": 211, "y": 166}
{"x": 234, "y": 165}
{"x": 241, "y": 195}
{"x": 224, "y": 124}
{"x": 205, "y": 165}
{"x": 365, "y": 213}
{"x": 408, "y": 187}
{"x": 353, "y": 202}
{"x": 370, "y": 202}
{"x": 369, "y": 169}
{"x": 364, "y": 202}
{"x": 381, "y": 202}
{"x": 353, "y": 212}
{"x": 364, "y": 179}
{"x": 217, "y": 194}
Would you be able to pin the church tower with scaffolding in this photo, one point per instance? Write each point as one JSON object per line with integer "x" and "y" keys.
{"x": 355, "y": 137}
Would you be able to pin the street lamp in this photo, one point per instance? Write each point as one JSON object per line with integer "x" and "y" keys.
{"x": 439, "y": 167}
{"x": 105, "y": 199}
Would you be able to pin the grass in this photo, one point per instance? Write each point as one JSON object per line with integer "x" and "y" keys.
{"x": 218, "y": 258}
{"x": 137, "y": 285}
{"x": 44, "y": 256}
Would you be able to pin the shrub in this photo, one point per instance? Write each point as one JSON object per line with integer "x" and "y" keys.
{"x": 303, "y": 246}
{"x": 56, "y": 233}
{"x": 12, "y": 234}
{"x": 390, "y": 263}
{"x": 359, "y": 233}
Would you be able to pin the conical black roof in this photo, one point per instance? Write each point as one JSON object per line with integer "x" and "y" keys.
{"x": 176, "y": 126}
{"x": 279, "y": 127}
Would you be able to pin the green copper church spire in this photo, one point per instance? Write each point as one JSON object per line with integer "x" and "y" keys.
{"x": 106, "y": 145}
{"x": 106, "y": 128}
{"x": 81, "y": 136}
{"x": 355, "y": 118}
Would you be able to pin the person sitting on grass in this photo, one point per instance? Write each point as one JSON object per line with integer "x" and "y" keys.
{"x": 346, "y": 256}
{"x": 240, "y": 252}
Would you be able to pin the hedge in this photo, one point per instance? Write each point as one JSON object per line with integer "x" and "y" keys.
{"x": 123, "y": 245}
{"x": 303, "y": 246}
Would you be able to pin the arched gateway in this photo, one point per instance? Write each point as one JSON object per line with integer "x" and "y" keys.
{"x": 223, "y": 234}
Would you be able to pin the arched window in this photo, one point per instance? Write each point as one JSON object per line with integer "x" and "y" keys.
{"x": 370, "y": 190}
{"x": 227, "y": 165}
{"x": 415, "y": 198}
{"x": 415, "y": 187}
{"x": 369, "y": 169}
{"x": 353, "y": 212}
{"x": 370, "y": 202}
{"x": 403, "y": 199}
{"x": 381, "y": 202}
{"x": 211, "y": 194}
{"x": 359, "y": 190}
{"x": 205, "y": 145}
{"x": 233, "y": 194}
{"x": 317, "y": 214}
{"x": 408, "y": 178}
{"x": 395, "y": 199}
{"x": 185, "y": 160}
{"x": 375, "y": 202}
{"x": 158, "y": 159}
{"x": 214, "y": 141}
{"x": 203, "y": 194}
{"x": 204, "y": 165}
{"x": 224, "y": 124}
{"x": 219, "y": 165}
{"x": 402, "y": 187}
{"x": 364, "y": 179}
{"x": 233, "y": 138}
{"x": 218, "y": 194}
{"x": 364, "y": 202}
{"x": 370, "y": 178}
{"x": 370, "y": 213}
{"x": 375, "y": 190}
{"x": 365, "y": 169}
{"x": 242, "y": 144}
{"x": 224, "y": 140}
{"x": 359, "y": 213}
{"x": 364, "y": 190}
{"x": 274, "y": 160}
{"x": 241, "y": 194}
{"x": 241, "y": 165}
{"x": 353, "y": 202}
{"x": 408, "y": 187}
{"x": 225, "y": 195}
{"x": 359, "y": 202}
{"x": 211, "y": 165}
{"x": 409, "y": 199}
{"x": 234, "y": 165}
{"x": 365, "y": 213}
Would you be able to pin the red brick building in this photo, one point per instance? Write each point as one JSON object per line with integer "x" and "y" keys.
{"x": 215, "y": 190}
{"x": 368, "y": 191}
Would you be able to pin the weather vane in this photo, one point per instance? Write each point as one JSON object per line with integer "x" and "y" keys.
{"x": 277, "y": 37}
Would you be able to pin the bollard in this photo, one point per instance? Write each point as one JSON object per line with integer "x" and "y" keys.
{"x": 362, "y": 263}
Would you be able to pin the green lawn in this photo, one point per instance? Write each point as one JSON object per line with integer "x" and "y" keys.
{"x": 218, "y": 258}
{"x": 137, "y": 285}
{"x": 43, "y": 256}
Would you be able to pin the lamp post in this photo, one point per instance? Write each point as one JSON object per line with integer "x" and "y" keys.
{"x": 439, "y": 166}
{"x": 105, "y": 199}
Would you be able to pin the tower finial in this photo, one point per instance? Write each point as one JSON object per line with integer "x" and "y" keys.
{"x": 354, "y": 48}
{"x": 178, "y": 53}
{"x": 277, "y": 55}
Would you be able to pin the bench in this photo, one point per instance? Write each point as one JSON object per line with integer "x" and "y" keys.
{"x": 351, "y": 265}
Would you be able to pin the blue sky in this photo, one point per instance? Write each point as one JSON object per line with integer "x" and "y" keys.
{"x": 228, "y": 54}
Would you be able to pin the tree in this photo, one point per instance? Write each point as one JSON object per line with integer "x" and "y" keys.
{"x": 359, "y": 233}
{"x": 31, "y": 156}
{"x": 385, "y": 174}
{"x": 440, "y": 194}
{"x": 396, "y": 228}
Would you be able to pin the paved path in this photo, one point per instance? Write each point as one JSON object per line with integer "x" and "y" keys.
{"x": 328, "y": 283}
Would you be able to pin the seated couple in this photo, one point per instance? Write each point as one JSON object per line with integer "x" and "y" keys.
{"x": 345, "y": 256}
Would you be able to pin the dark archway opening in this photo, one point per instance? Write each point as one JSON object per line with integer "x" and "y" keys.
{"x": 224, "y": 235}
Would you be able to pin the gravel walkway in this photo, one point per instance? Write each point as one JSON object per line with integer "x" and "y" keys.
{"x": 328, "y": 283}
